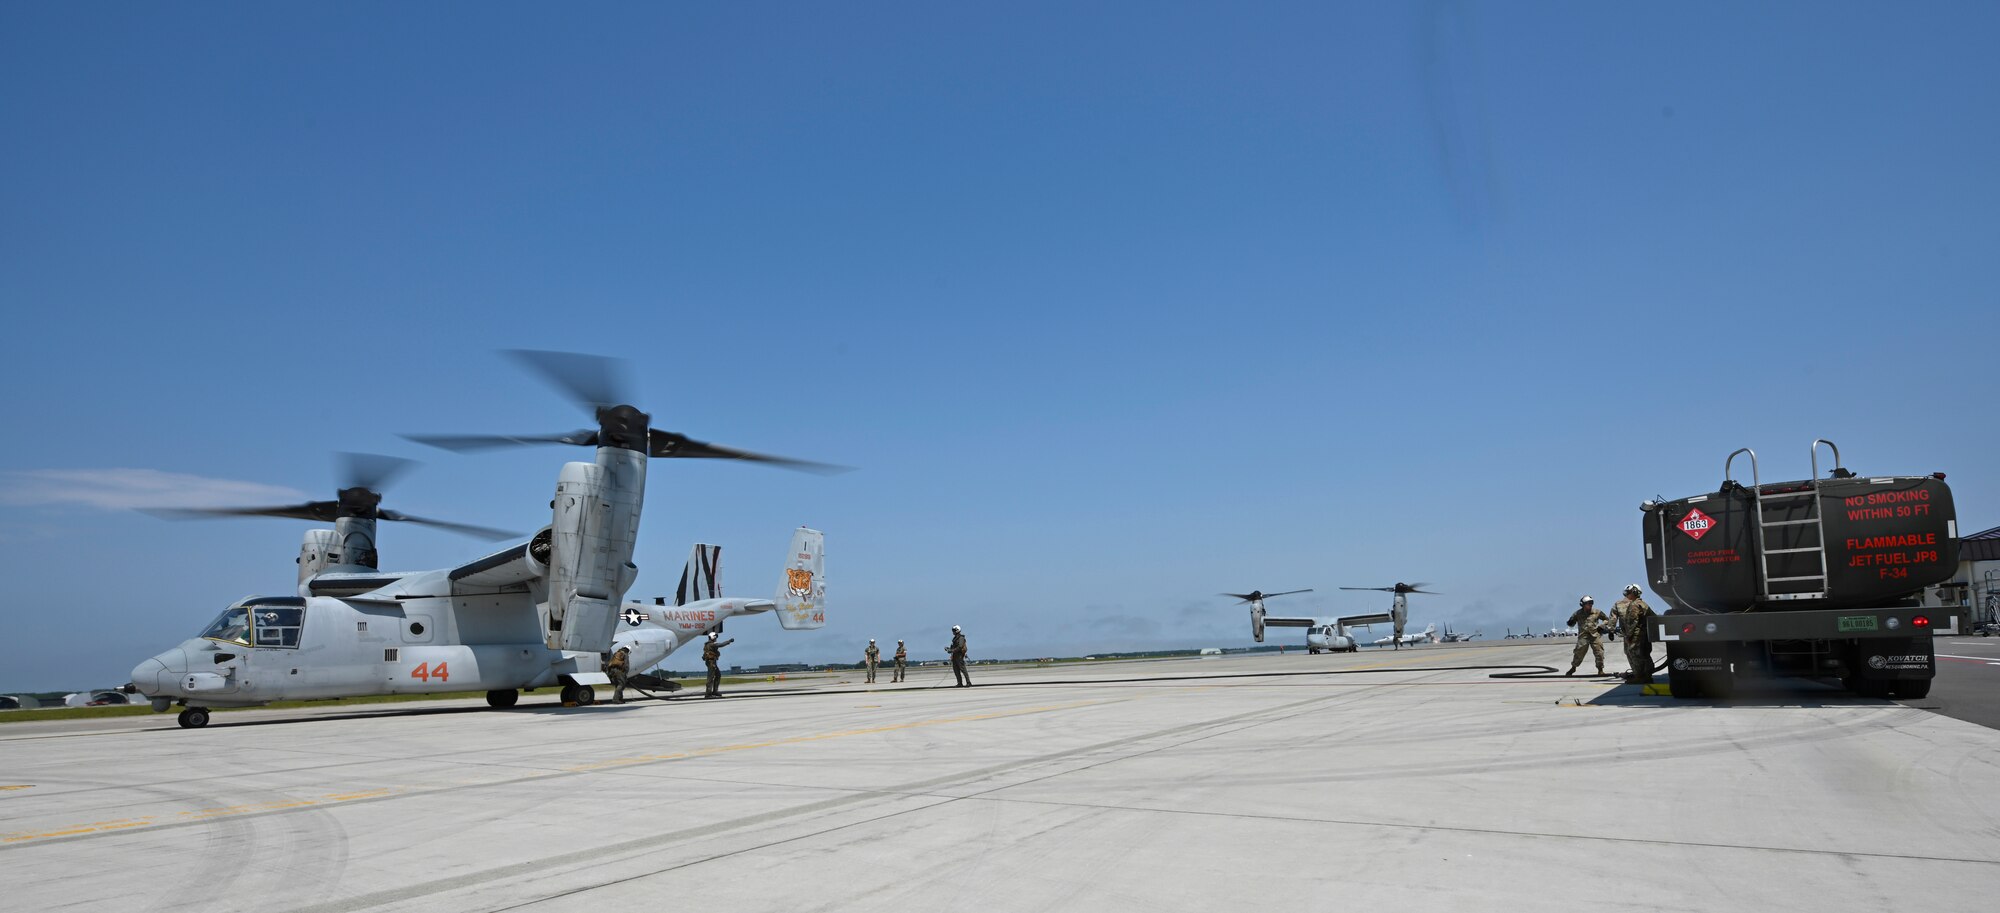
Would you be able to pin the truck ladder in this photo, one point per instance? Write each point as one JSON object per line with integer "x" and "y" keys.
{"x": 1811, "y": 527}
{"x": 1779, "y": 502}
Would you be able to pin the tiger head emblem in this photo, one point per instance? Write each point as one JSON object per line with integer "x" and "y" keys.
{"x": 799, "y": 581}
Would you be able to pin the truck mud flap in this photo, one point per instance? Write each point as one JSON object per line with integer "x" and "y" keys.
{"x": 1700, "y": 669}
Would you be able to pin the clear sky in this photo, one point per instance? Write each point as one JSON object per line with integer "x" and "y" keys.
{"x": 1116, "y": 306}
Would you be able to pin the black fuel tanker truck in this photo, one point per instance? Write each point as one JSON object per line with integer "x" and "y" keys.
{"x": 1820, "y": 578}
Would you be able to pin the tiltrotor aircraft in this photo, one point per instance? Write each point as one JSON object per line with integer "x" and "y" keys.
{"x": 1399, "y": 608}
{"x": 1321, "y": 636}
{"x": 542, "y": 613}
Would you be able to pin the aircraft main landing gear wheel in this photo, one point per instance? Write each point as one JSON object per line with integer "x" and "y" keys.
{"x": 502, "y": 699}
{"x": 567, "y": 696}
{"x": 194, "y": 718}
{"x": 585, "y": 695}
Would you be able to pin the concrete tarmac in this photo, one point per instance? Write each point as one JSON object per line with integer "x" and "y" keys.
{"x": 1967, "y": 686}
{"x": 1213, "y": 783}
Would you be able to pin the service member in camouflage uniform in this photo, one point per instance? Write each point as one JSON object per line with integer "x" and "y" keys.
{"x": 902, "y": 657}
{"x": 1589, "y": 623}
{"x": 617, "y": 668}
{"x": 711, "y": 655}
{"x": 957, "y": 651}
{"x": 870, "y": 657}
{"x": 1631, "y": 614}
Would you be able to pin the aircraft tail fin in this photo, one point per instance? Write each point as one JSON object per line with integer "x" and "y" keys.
{"x": 702, "y": 578}
{"x": 802, "y": 594}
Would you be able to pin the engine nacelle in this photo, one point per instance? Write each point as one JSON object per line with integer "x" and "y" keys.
{"x": 595, "y": 528}
{"x": 356, "y": 539}
{"x": 320, "y": 550}
{"x": 1257, "y": 621}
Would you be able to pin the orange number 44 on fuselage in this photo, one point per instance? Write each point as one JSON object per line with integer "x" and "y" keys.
{"x": 441, "y": 673}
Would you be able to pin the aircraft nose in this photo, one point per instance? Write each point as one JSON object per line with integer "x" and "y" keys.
{"x": 146, "y": 676}
{"x": 161, "y": 675}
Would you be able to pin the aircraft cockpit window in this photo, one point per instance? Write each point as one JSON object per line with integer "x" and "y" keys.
{"x": 233, "y": 625}
{"x": 277, "y": 626}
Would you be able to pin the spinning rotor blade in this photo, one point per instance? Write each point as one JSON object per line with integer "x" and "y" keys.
{"x": 482, "y": 532}
{"x": 372, "y": 471}
{"x": 463, "y": 443}
{"x": 599, "y": 384}
{"x": 1398, "y": 588}
{"x": 364, "y": 475}
{"x": 592, "y": 381}
{"x": 321, "y": 511}
{"x": 672, "y": 445}
{"x": 1254, "y": 595}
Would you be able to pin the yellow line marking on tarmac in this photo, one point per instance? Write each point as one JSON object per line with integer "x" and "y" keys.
{"x": 4, "y": 788}
{"x": 823, "y": 736}
{"x": 204, "y": 814}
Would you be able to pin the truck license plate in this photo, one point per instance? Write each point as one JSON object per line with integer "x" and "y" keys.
{"x": 1857, "y": 623}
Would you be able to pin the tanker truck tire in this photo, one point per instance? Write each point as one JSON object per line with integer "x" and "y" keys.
{"x": 1913, "y": 690}
{"x": 1683, "y": 685}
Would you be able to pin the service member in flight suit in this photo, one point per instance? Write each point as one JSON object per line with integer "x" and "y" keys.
{"x": 902, "y": 658}
{"x": 616, "y": 669}
{"x": 870, "y": 657}
{"x": 1631, "y": 614}
{"x": 1589, "y": 622}
{"x": 711, "y": 655}
{"x": 958, "y": 651}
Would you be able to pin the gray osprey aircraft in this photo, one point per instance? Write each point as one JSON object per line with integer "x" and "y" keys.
{"x": 538, "y": 614}
{"x": 1329, "y": 636}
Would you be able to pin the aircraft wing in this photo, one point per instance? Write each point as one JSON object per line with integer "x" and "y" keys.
{"x": 502, "y": 568}
{"x": 1349, "y": 621}
{"x": 349, "y": 584}
{"x": 1274, "y": 621}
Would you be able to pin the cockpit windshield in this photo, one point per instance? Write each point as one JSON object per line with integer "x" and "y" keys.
{"x": 233, "y": 625}
{"x": 263, "y": 622}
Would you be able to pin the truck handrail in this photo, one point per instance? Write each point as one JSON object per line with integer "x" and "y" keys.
{"x": 1815, "y": 458}
{"x": 1754, "y": 483}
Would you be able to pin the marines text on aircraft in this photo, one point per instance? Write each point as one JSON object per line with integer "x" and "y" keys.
{"x": 542, "y": 613}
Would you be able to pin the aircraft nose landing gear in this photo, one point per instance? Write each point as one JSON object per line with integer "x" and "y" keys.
{"x": 502, "y": 699}
{"x": 194, "y": 718}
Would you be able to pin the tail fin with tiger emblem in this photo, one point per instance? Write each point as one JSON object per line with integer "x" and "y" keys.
{"x": 802, "y": 594}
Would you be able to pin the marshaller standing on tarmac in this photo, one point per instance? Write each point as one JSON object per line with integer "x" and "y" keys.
{"x": 616, "y": 670}
{"x": 711, "y": 655}
{"x": 1631, "y": 614}
{"x": 902, "y": 657}
{"x": 1588, "y": 622}
{"x": 870, "y": 657}
{"x": 957, "y": 651}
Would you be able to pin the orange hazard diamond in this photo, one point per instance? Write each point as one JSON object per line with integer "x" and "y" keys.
{"x": 1697, "y": 524}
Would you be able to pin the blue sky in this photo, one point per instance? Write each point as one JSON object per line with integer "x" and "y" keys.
{"x": 1115, "y": 305}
